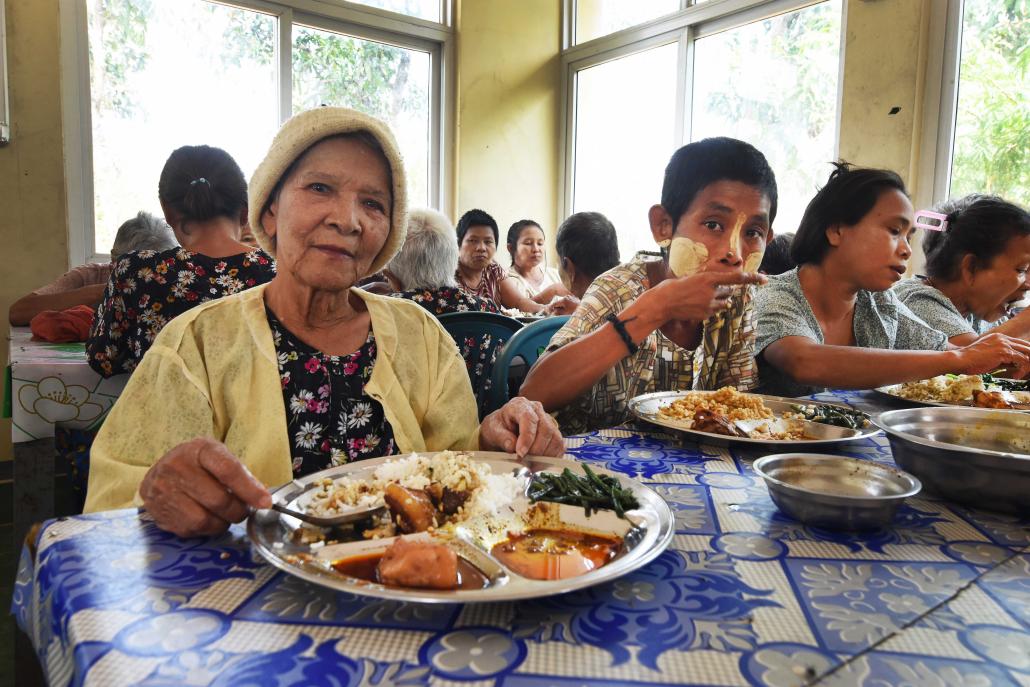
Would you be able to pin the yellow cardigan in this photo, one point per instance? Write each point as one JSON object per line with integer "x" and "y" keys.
{"x": 213, "y": 372}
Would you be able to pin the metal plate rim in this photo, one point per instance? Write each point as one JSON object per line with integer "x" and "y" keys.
{"x": 939, "y": 404}
{"x": 518, "y": 588}
{"x": 634, "y": 403}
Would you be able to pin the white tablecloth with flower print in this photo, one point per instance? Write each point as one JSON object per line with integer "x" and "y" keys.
{"x": 744, "y": 595}
{"x": 51, "y": 383}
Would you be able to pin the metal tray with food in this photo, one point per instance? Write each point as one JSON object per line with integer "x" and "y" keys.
{"x": 461, "y": 527}
{"x": 968, "y": 391}
{"x": 730, "y": 416}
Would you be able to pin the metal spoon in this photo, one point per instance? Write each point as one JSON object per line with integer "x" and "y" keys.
{"x": 336, "y": 520}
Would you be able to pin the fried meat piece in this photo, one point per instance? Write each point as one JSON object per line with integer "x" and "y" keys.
{"x": 447, "y": 500}
{"x": 412, "y": 508}
{"x": 419, "y": 564}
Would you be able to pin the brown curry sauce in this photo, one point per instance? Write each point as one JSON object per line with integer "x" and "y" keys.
{"x": 366, "y": 567}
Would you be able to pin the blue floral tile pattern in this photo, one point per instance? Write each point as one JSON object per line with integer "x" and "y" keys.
{"x": 744, "y": 595}
{"x": 656, "y": 609}
{"x": 472, "y": 653}
{"x": 852, "y": 605}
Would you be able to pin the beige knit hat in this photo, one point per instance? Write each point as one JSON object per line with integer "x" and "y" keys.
{"x": 306, "y": 129}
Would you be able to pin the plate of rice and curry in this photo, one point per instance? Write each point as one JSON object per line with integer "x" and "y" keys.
{"x": 976, "y": 391}
{"x": 731, "y": 416}
{"x": 461, "y": 527}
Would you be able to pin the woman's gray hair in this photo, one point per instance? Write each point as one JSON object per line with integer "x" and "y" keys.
{"x": 429, "y": 256}
{"x": 143, "y": 232}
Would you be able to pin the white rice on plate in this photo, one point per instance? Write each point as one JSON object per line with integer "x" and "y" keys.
{"x": 492, "y": 509}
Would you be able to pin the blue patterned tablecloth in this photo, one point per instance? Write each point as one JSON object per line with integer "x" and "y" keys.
{"x": 744, "y": 595}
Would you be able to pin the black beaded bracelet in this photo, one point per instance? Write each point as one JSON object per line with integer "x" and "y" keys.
{"x": 620, "y": 329}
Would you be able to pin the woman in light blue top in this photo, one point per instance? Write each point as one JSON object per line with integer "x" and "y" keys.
{"x": 833, "y": 322}
{"x": 976, "y": 270}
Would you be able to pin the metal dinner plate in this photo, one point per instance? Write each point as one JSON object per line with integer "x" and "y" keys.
{"x": 892, "y": 390}
{"x": 270, "y": 532}
{"x": 646, "y": 408}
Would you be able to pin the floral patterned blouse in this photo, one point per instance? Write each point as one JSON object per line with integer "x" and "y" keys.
{"x": 448, "y": 299}
{"x": 329, "y": 418}
{"x": 148, "y": 289}
{"x": 480, "y": 351}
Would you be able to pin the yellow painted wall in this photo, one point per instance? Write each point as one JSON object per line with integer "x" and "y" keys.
{"x": 33, "y": 216}
{"x": 884, "y": 66}
{"x": 883, "y": 62}
{"x": 508, "y": 111}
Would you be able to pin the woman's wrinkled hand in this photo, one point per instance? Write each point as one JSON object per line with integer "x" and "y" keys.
{"x": 992, "y": 351}
{"x": 199, "y": 488}
{"x": 702, "y": 295}
{"x": 521, "y": 427}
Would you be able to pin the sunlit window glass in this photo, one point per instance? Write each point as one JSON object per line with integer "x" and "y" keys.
{"x": 625, "y": 135}
{"x": 992, "y": 126}
{"x": 773, "y": 84}
{"x": 595, "y": 18}
{"x": 423, "y": 9}
{"x": 383, "y": 80}
{"x": 153, "y": 91}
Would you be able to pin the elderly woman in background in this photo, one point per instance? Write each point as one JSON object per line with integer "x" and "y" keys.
{"x": 204, "y": 198}
{"x": 423, "y": 269}
{"x": 976, "y": 271}
{"x": 85, "y": 284}
{"x": 587, "y": 248}
{"x": 307, "y": 372}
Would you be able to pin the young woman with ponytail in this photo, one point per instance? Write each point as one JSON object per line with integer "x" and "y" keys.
{"x": 204, "y": 198}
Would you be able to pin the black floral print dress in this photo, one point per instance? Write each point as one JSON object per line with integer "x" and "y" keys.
{"x": 148, "y": 289}
{"x": 448, "y": 299}
{"x": 479, "y": 351}
{"x": 329, "y": 417}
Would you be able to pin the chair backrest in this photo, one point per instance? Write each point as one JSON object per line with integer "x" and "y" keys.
{"x": 479, "y": 336}
{"x": 528, "y": 344}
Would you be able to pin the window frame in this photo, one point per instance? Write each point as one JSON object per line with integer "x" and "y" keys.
{"x": 691, "y": 23}
{"x": 940, "y": 104}
{"x": 360, "y": 21}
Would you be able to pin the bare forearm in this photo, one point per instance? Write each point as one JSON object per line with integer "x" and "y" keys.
{"x": 563, "y": 375}
{"x": 847, "y": 367}
{"x": 550, "y": 293}
{"x": 27, "y": 307}
{"x": 1018, "y": 326}
{"x": 512, "y": 298}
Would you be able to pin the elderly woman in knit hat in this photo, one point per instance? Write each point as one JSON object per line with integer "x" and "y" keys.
{"x": 306, "y": 372}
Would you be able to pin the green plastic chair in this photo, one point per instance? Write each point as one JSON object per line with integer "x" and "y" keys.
{"x": 479, "y": 336}
{"x": 528, "y": 344}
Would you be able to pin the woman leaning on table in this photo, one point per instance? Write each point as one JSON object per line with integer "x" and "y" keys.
{"x": 306, "y": 372}
{"x": 834, "y": 322}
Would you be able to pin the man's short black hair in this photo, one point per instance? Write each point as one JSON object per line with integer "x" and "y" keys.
{"x": 476, "y": 218}
{"x": 700, "y": 164}
{"x": 589, "y": 240}
{"x": 848, "y": 196}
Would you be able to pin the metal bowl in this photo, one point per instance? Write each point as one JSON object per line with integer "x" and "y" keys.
{"x": 835, "y": 492}
{"x": 975, "y": 456}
